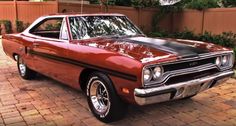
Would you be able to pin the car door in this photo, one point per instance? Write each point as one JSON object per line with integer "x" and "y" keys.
{"x": 50, "y": 48}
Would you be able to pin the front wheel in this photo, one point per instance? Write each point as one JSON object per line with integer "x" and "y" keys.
{"x": 103, "y": 101}
{"x": 24, "y": 71}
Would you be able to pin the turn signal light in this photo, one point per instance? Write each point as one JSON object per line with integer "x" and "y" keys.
{"x": 125, "y": 90}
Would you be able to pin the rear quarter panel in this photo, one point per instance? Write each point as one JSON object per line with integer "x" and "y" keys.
{"x": 12, "y": 45}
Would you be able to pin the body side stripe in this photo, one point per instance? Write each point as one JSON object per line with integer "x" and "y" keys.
{"x": 78, "y": 63}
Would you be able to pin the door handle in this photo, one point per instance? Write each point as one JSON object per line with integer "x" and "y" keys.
{"x": 35, "y": 44}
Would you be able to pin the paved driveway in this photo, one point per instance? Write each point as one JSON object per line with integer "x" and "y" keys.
{"x": 46, "y": 102}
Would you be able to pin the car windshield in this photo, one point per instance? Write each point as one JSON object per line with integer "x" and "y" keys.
{"x": 85, "y": 27}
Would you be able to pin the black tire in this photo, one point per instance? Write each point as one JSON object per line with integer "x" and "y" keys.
{"x": 113, "y": 111}
{"x": 25, "y": 72}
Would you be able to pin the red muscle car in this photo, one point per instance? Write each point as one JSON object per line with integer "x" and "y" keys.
{"x": 114, "y": 63}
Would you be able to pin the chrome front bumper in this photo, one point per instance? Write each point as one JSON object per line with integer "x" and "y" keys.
{"x": 179, "y": 90}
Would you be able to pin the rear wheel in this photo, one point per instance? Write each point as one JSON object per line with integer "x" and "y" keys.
{"x": 103, "y": 101}
{"x": 23, "y": 70}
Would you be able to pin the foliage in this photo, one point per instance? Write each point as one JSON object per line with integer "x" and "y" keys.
{"x": 104, "y": 2}
{"x": 202, "y": 4}
{"x": 7, "y": 25}
{"x": 123, "y": 2}
{"x": 26, "y": 25}
{"x": 145, "y": 3}
{"x": 19, "y": 26}
{"x": 134, "y": 3}
{"x": 229, "y": 3}
{"x": 94, "y": 1}
{"x": 55, "y": 26}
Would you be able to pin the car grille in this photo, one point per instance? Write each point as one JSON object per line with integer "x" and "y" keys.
{"x": 192, "y": 76}
{"x": 184, "y": 65}
{"x": 186, "y": 70}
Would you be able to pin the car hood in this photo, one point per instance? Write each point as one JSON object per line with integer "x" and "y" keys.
{"x": 148, "y": 50}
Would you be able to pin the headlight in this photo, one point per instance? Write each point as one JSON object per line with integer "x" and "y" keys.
{"x": 225, "y": 60}
{"x": 218, "y": 61}
{"x": 147, "y": 75}
{"x": 157, "y": 72}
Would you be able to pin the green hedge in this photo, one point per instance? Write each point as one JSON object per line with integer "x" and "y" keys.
{"x": 20, "y": 26}
{"x": 7, "y": 24}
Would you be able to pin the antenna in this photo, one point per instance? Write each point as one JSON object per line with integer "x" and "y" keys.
{"x": 81, "y": 8}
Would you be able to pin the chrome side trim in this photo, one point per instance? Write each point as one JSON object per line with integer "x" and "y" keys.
{"x": 148, "y": 96}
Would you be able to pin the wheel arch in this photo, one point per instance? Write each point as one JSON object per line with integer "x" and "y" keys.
{"x": 15, "y": 56}
{"x": 84, "y": 76}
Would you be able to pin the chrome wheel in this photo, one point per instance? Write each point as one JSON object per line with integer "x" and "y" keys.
{"x": 25, "y": 72}
{"x": 100, "y": 97}
{"x": 22, "y": 68}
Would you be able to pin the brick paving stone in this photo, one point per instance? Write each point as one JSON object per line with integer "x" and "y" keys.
{"x": 185, "y": 117}
{"x": 7, "y": 109}
{"x": 10, "y": 114}
{"x": 199, "y": 123}
{"x": 208, "y": 120}
{"x": 29, "y": 112}
{"x": 79, "y": 123}
{"x": 46, "y": 102}
{"x": 220, "y": 116}
{"x": 221, "y": 106}
{"x": 50, "y": 123}
{"x": 1, "y": 121}
{"x": 58, "y": 109}
{"x": 231, "y": 103}
{"x": 53, "y": 117}
{"x": 92, "y": 122}
{"x": 13, "y": 120}
{"x": 34, "y": 119}
{"x": 140, "y": 123}
{"x": 64, "y": 122}
{"x": 175, "y": 122}
{"x": 45, "y": 112}
{"x": 18, "y": 124}
{"x": 231, "y": 112}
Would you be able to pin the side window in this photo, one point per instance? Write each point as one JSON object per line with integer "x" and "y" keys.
{"x": 49, "y": 28}
{"x": 64, "y": 31}
{"x": 78, "y": 28}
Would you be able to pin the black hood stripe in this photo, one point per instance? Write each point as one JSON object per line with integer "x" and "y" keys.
{"x": 182, "y": 50}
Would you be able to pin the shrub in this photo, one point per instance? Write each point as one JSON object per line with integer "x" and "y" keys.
{"x": 94, "y": 1}
{"x": 19, "y": 26}
{"x": 229, "y": 3}
{"x": 7, "y": 25}
{"x": 109, "y": 2}
{"x": 202, "y": 4}
{"x": 145, "y": 3}
{"x": 123, "y": 2}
